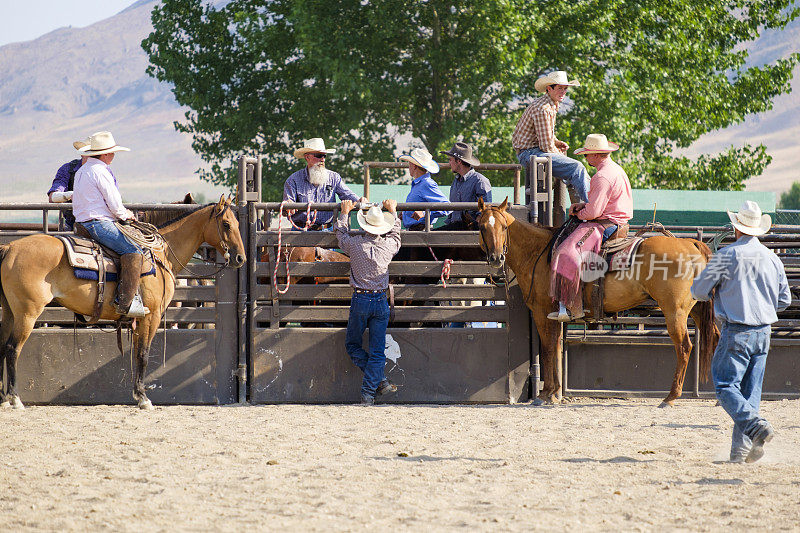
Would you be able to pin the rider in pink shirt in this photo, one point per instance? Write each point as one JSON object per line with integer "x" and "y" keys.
{"x": 609, "y": 207}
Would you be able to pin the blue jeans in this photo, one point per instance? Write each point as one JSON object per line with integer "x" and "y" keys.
{"x": 609, "y": 231}
{"x": 738, "y": 371}
{"x": 565, "y": 168}
{"x": 108, "y": 234}
{"x": 368, "y": 311}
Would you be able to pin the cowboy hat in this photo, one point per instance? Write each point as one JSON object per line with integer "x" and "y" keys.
{"x": 558, "y": 77}
{"x": 375, "y": 221}
{"x": 749, "y": 220}
{"x": 316, "y": 145}
{"x": 78, "y": 145}
{"x": 596, "y": 143}
{"x": 101, "y": 143}
{"x": 463, "y": 151}
{"x": 422, "y": 158}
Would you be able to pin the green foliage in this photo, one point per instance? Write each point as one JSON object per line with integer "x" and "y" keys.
{"x": 260, "y": 76}
{"x": 791, "y": 198}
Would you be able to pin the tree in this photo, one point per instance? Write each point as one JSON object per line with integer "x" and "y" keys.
{"x": 791, "y": 198}
{"x": 260, "y": 76}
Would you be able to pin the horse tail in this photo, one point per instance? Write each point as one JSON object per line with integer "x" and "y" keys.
{"x": 704, "y": 319}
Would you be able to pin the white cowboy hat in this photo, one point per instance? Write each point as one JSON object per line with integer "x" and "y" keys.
{"x": 749, "y": 220}
{"x": 596, "y": 143}
{"x": 313, "y": 145}
{"x": 375, "y": 221}
{"x": 101, "y": 143}
{"x": 422, "y": 158}
{"x": 80, "y": 145}
{"x": 558, "y": 77}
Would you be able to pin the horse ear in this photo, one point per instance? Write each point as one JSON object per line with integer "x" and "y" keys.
{"x": 480, "y": 203}
{"x": 504, "y": 205}
{"x": 189, "y": 199}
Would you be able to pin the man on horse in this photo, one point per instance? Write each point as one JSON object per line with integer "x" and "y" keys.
{"x": 468, "y": 185}
{"x": 97, "y": 205}
{"x": 370, "y": 255}
{"x": 535, "y": 134}
{"x": 748, "y": 284}
{"x": 423, "y": 189}
{"x": 606, "y": 212}
{"x": 315, "y": 184}
{"x": 61, "y": 189}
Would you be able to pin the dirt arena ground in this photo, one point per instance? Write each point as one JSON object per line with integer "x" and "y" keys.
{"x": 585, "y": 465}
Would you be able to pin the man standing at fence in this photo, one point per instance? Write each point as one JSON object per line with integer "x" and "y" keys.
{"x": 370, "y": 255}
{"x": 535, "y": 134}
{"x": 97, "y": 204}
{"x": 315, "y": 184}
{"x": 748, "y": 284}
{"x": 423, "y": 189}
{"x": 468, "y": 185}
{"x": 61, "y": 189}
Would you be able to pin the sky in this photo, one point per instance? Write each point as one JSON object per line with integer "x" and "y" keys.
{"x": 28, "y": 19}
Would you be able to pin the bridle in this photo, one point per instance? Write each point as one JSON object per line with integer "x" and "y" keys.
{"x": 503, "y": 261}
{"x": 225, "y": 248}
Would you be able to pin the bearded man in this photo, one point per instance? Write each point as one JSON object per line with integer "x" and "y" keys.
{"x": 315, "y": 184}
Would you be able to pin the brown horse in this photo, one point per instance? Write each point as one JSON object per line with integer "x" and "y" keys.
{"x": 34, "y": 271}
{"x": 675, "y": 262}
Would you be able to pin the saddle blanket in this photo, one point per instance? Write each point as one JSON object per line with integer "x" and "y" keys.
{"x": 82, "y": 259}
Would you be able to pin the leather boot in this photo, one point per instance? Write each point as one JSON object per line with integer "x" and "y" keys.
{"x": 128, "y": 301}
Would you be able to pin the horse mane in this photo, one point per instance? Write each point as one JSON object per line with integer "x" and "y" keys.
{"x": 183, "y": 214}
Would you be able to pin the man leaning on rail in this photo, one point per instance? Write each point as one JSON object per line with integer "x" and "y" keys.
{"x": 535, "y": 134}
{"x": 314, "y": 183}
{"x": 97, "y": 205}
{"x": 748, "y": 284}
{"x": 468, "y": 185}
{"x": 423, "y": 189}
{"x": 370, "y": 255}
{"x": 61, "y": 189}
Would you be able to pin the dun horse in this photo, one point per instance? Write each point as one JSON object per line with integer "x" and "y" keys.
{"x": 525, "y": 246}
{"x": 34, "y": 270}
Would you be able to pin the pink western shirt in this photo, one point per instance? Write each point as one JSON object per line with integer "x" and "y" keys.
{"x": 609, "y": 194}
{"x": 95, "y": 195}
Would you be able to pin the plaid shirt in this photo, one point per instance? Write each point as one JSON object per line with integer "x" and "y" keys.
{"x": 370, "y": 255}
{"x": 537, "y": 126}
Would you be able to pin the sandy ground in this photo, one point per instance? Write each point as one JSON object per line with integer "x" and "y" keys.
{"x": 585, "y": 465}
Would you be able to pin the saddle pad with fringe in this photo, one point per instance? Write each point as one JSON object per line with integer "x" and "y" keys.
{"x": 622, "y": 256}
{"x": 81, "y": 257}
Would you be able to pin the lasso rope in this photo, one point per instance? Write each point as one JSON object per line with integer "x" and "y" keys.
{"x": 143, "y": 234}
{"x": 286, "y": 252}
{"x": 446, "y": 272}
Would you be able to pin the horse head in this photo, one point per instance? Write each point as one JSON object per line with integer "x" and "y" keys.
{"x": 222, "y": 232}
{"x": 493, "y": 226}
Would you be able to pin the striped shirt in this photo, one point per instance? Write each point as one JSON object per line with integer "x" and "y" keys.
{"x": 370, "y": 255}
{"x": 537, "y": 126}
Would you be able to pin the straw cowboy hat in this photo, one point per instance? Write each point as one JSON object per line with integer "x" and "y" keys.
{"x": 315, "y": 145}
{"x": 79, "y": 145}
{"x": 463, "y": 151}
{"x": 375, "y": 221}
{"x": 421, "y": 158}
{"x": 596, "y": 143}
{"x": 749, "y": 220}
{"x": 558, "y": 77}
{"x": 101, "y": 143}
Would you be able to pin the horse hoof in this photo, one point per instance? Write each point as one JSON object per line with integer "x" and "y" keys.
{"x": 537, "y": 402}
{"x": 666, "y": 404}
{"x": 16, "y": 403}
{"x": 5, "y": 404}
{"x": 146, "y": 405}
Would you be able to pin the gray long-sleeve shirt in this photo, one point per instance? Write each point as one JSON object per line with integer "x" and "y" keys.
{"x": 370, "y": 255}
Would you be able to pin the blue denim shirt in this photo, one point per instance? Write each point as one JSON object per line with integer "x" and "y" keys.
{"x": 469, "y": 188}
{"x": 298, "y": 189}
{"x": 750, "y": 281}
{"x": 424, "y": 189}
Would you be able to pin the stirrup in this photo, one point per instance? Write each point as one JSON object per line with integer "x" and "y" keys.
{"x": 137, "y": 308}
{"x": 563, "y": 314}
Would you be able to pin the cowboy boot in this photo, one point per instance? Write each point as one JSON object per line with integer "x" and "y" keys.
{"x": 128, "y": 302}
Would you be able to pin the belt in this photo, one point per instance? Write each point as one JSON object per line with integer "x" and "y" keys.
{"x": 365, "y": 291}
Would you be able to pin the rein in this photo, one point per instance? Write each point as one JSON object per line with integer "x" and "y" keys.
{"x": 225, "y": 249}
